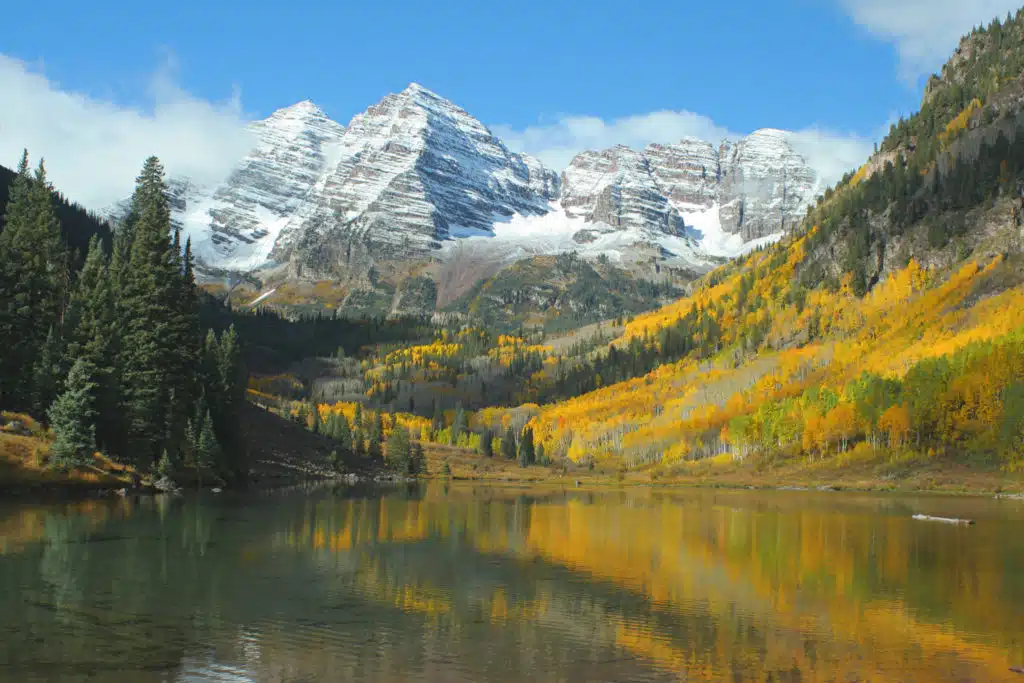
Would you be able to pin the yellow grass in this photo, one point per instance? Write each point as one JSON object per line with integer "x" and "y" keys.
{"x": 25, "y": 462}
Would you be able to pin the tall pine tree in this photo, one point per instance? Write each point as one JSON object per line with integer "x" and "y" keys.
{"x": 33, "y": 283}
{"x": 150, "y": 284}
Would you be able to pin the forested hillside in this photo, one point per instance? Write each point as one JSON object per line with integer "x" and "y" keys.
{"x": 76, "y": 223}
{"x": 891, "y": 323}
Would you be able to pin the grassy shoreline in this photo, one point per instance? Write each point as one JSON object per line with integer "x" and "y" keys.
{"x": 24, "y": 473}
{"x": 884, "y": 472}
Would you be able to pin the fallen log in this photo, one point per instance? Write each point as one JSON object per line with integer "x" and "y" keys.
{"x": 945, "y": 520}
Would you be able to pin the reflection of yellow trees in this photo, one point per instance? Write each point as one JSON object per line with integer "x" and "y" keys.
{"x": 28, "y": 523}
{"x": 856, "y": 584}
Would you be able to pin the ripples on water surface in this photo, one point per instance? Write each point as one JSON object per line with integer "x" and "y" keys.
{"x": 486, "y": 584}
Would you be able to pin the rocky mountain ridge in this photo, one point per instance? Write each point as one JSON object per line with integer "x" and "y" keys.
{"x": 414, "y": 174}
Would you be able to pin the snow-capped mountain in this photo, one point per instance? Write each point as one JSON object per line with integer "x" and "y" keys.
{"x": 414, "y": 172}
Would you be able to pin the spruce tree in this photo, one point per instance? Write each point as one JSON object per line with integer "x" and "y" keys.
{"x": 459, "y": 424}
{"x": 33, "y": 282}
{"x": 186, "y": 351}
{"x": 526, "y": 449}
{"x": 398, "y": 449}
{"x": 72, "y": 418}
{"x": 374, "y": 448}
{"x": 209, "y": 454}
{"x": 148, "y": 358}
{"x": 358, "y": 443}
{"x": 46, "y": 375}
{"x": 487, "y": 444}
{"x": 342, "y": 434}
{"x": 437, "y": 422}
{"x": 508, "y": 445}
{"x": 417, "y": 459}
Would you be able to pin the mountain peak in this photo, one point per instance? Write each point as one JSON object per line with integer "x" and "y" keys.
{"x": 303, "y": 109}
{"x": 416, "y": 91}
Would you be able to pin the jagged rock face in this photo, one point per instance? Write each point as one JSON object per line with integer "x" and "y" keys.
{"x": 617, "y": 187}
{"x": 761, "y": 184}
{"x": 236, "y": 225}
{"x": 766, "y": 186}
{"x": 688, "y": 172}
{"x": 414, "y": 169}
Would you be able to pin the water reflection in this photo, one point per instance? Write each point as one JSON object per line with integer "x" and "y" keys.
{"x": 466, "y": 583}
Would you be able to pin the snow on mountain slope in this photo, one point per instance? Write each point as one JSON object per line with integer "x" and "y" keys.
{"x": 414, "y": 165}
{"x": 236, "y": 226}
{"x": 559, "y": 231}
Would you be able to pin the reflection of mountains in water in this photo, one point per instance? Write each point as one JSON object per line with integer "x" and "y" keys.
{"x": 473, "y": 585}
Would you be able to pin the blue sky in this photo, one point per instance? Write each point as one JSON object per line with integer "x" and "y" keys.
{"x": 551, "y": 77}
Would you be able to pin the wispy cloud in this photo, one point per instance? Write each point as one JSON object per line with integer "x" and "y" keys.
{"x": 95, "y": 148}
{"x": 925, "y": 32}
{"x": 558, "y": 142}
{"x": 830, "y": 154}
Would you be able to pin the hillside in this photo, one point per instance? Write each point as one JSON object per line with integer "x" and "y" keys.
{"x": 881, "y": 341}
{"x": 887, "y": 331}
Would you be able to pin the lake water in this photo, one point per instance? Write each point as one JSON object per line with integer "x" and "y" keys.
{"x": 461, "y": 583}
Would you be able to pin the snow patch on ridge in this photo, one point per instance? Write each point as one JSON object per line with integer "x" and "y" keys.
{"x": 557, "y": 232}
{"x": 714, "y": 240}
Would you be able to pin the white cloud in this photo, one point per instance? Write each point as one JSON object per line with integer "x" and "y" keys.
{"x": 94, "y": 148}
{"x": 557, "y": 143}
{"x": 830, "y": 154}
{"x": 925, "y": 32}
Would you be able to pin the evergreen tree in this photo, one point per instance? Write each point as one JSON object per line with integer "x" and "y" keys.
{"x": 487, "y": 444}
{"x": 417, "y": 459}
{"x": 46, "y": 374}
{"x": 357, "y": 418}
{"x": 508, "y": 445}
{"x": 33, "y": 282}
{"x": 459, "y": 424}
{"x": 374, "y": 442}
{"x": 230, "y": 379}
{"x": 343, "y": 434}
{"x": 526, "y": 452}
{"x": 72, "y": 418}
{"x": 437, "y": 422}
{"x": 209, "y": 454}
{"x": 149, "y": 359}
{"x": 358, "y": 443}
{"x": 186, "y": 349}
{"x": 165, "y": 467}
{"x": 398, "y": 454}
